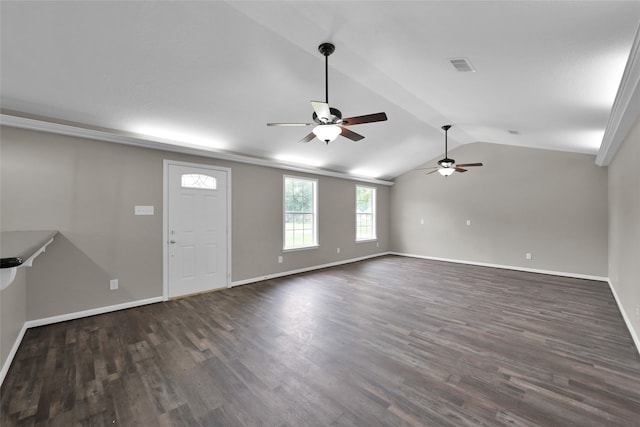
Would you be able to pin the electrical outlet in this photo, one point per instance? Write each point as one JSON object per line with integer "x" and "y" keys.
{"x": 421, "y": 221}
{"x": 527, "y": 255}
{"x": 280, "y": 259}
{"x": 377, "y": 244}
{"x": 113, "y": 284}
{"x": 468, "y": 222}
{"x": 338, "y": 250}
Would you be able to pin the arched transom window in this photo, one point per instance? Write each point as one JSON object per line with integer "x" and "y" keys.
{"x": 199, "y": 181}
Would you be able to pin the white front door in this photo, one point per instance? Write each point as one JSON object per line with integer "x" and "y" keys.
{"x": 197, "y": 227}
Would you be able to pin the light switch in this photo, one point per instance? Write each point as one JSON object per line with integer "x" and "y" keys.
{"x": 144, "y": 210}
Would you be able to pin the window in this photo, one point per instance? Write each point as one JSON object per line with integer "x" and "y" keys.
{"x": 300, "y": 207}
{"x": 365, "y": 213}
{"x": 203, "y": 182}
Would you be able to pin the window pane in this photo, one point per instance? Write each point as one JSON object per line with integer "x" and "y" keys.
{"x": 203, "y": 182}
{"x": 364, "y": 196}
{"x": 365, "y": 213}
{"x": 298, "y": 195}
{"x": 299, "y": 213}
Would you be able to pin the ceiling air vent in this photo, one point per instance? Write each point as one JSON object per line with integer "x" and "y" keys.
{"x": 462, "y": 64}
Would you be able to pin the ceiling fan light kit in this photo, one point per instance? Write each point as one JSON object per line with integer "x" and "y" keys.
{"x": 446, "y": 171}
{"x": 327, "y": 133}
{"x": 328, "y": 120}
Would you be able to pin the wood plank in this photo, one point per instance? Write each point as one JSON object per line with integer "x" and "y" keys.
{"x": 391, "y": 341}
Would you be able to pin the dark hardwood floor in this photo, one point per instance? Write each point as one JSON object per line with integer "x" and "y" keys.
{"x": 390, "y": 341}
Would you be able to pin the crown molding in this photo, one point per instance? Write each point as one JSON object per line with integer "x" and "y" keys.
{"x": 46, "y": 124}
{"x": 626, "y": 107}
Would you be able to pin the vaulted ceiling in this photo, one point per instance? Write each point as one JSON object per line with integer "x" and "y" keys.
{"x": 210, "y": 75}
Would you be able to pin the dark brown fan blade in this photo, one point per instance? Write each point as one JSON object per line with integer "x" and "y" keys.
{"x": 350, "y": 134}
{"x": 308, "y": 137}
{"x": 369, "y": 118}
{"x": 467, "y": 165}
{"x": 289, "y": 124}
{"x": 458, "y": 169}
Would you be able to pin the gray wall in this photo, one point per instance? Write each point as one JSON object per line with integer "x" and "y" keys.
{"x": 87, "y": 191}
{"x": 549, "y": 203}
{"x": 12, "y": 313}
{"x": 624, "y": 227}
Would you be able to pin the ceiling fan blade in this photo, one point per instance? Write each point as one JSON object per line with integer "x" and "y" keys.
{"x": 350, "y": 134}
{"x": 466, "y": 165}
{"x": 459, "y": 169}
{"x": 433, "y": 171}
{"x": 308, "y": 137}
{"x": 369, "y": 118}
{"x": 289, "y": 124}
{"x": 322, "y": 110}
{"x": 423, "y": 169}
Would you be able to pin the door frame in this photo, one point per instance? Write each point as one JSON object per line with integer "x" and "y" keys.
{"x": 165, "y": 218}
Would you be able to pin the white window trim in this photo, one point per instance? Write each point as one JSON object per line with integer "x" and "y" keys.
{"x": 374, "y": 214}
{"x": 316, "y": 243}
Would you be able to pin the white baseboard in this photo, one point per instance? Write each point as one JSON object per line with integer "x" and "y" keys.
{"x": 304, "y": 270}
{"x": 634, "y": 335}
{"x": 12, "y": 354}
{"x": 508, "y": 267}
{"x": 91, "y": 312}
{"x": 63, "y": 318}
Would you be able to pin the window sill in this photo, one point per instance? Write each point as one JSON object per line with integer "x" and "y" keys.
{"x": 300, "y": 249}
{"x": 375, "y": 239}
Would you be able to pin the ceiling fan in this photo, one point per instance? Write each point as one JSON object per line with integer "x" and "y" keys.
{"x": 448, "y": 166}
{"x": 328, "y": 121}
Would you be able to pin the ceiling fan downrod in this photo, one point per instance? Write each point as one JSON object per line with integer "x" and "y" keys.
{"x": 446, "y": 162}
{"x": 326, "y": 49}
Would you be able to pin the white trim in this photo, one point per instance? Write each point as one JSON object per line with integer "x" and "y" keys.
{"x": 508, "y": 267}
{"x": 634, "y": 334}
{"x": 374, "y": 214}
{"x": 12, "y": 353}
{"x": 306, "y": 269}
{"x": 165, "y": 218}
{"x": 165, "y": 228}
{"x": 29, "y": 262}
{"x": 91, "y": 312}
{"x": 46, "y": 124}
{"x": 625, "y": 109}
{"x": 316, "y": 209}
{"x": 63, "y": 318}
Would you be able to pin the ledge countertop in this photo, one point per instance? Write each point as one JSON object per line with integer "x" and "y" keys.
{"x": 16, "y": 247}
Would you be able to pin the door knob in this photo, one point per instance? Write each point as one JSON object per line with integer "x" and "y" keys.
{"x": 172, "y": 242}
